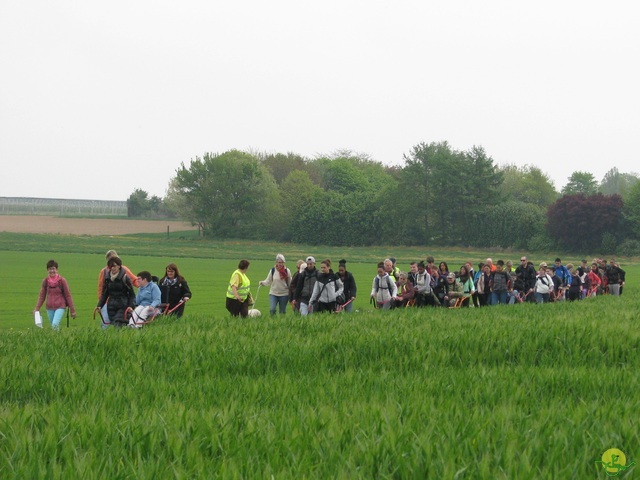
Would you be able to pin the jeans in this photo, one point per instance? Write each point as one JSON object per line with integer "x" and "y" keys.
{"x": 513, "y": 297}
{"x": 105, "y": 316}
{"x": 385, "y": 305}
{"x": 55, "y": 317}
{"x": 275, "y": 301}
{"x": 499, "y": 297}
{"x": 542, "y": 297}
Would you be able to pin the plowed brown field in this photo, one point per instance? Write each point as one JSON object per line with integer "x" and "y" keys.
{"x": 87, "y": 226}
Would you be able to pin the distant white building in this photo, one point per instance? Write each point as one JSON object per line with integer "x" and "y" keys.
{"x": 61, "y": 206}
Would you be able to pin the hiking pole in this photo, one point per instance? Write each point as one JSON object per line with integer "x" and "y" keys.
{"x": 67, "y": 317}
{"x": 255, "y": 300}
{"x": 253, "y": 311}
{"x": 341, "y": 307}
{"x": 99, "y": 312}
{"x": 178, "y": 305}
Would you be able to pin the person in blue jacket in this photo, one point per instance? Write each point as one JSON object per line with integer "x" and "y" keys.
{"x": 147, "y": 299}
{"x": 562, "y": 273}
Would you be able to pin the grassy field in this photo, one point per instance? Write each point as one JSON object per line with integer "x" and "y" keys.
{"x": 506, "y": 392}
{"x": 206, "y": 265}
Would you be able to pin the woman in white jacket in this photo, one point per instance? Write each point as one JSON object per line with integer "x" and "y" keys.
{"x": 383, "y": 289}
{"x": 544, "y": 285}
{"x": 326, "y": 290}
{"x": 279, "y": 278}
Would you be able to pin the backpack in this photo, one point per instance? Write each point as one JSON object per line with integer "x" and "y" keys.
{"x": 378, "y": 287}
{"x": 44, "y": 285}
{"x": 273, "y": 272}
{"x": 305, "y": 289}
{"x": 126, "y": 281}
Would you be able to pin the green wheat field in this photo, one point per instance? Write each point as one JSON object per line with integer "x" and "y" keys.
{"x": 513, "y": 392}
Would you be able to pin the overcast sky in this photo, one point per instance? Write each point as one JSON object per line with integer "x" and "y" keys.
{"x": 100, "y": 98}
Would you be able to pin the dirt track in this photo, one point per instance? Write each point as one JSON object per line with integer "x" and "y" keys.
{"x": 87, "y": 226}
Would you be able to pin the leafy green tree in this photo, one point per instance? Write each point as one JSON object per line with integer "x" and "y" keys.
{"x": 448, "y": 189}
{"x": 430, "y": 182}
{"x": 480, "y": 181}
{"x": 581, "y": 182}
{"x": 296, "y": 194}
{"x": 176, "y": 204}
{"x": 340, "y": 207}
{"x": 528, "y": 184}
{"x": 615, "y": 182}
{"x": 346, "y": 175}
{"x": 281, "y": 165}
{"x": 138, "y": 203}
{"x": 509, "y": 224}
{"x": 228, "y": 195}
{"x": 345, "y": 210}
{"x": 631, "y": 211}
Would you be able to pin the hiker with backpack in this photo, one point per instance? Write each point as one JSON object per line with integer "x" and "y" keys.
{"x": 55, "y": 290}
{"x": 304, "y": 288}
{"x": 544, "y": 285}
{"x": 117, "y": 293}
{"x": 562, "y": 273}
{"x": 595, "y": 281}
{"x": 326, "y": 290}
{"x": 525, "y": 279}
{"x": 383, "y": 289}
{"x": 104, "y": 273}
{"x": 483, "y": 286}
{"x": 406, "y": 291}
{"x": 575, "y": 289}
{"x": 350, "y": 287}
{"x": 500, "y": 285}
{"x": 615, "y": 277}
{"x": 279, "y": 278}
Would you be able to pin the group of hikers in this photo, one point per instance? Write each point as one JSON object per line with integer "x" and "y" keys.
{"x": 310, "y": 290}
{"x": 496, "y": 283}
{"x": 118, "y": 303}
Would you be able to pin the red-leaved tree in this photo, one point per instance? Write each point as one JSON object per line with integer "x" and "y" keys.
{"x": 578, "y": 222}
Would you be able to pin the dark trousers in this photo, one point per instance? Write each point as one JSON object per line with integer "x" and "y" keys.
{"x": 325, "y": 307}
{"x": 484, "y": 299}
{"x": 237, "y": 308}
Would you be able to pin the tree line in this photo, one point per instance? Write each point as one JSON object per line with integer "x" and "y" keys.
{"x": 439, "y": 196}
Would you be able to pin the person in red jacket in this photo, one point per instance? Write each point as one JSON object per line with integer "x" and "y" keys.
{"x": 595, "y": 281}
{"x": 55, "y": 290}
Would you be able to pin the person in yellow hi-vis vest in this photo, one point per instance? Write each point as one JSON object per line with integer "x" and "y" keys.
{"x": 238, "y": 294}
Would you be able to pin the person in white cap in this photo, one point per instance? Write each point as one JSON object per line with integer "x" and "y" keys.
{"x": 304, "y": 289}
{"x": 279, "y": 278}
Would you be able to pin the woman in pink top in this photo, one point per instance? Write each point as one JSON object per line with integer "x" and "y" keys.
{"x": 56, "y": 291}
